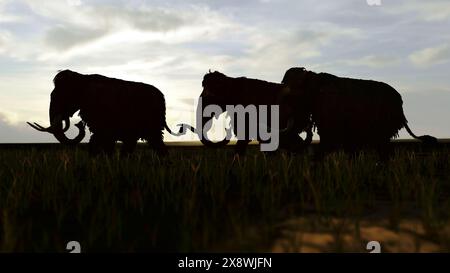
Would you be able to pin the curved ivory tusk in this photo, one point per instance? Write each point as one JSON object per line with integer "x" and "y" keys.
{"x": 66, "y": 124}
{"x": 38, "y": 127}
{"x": 49, "y": 129}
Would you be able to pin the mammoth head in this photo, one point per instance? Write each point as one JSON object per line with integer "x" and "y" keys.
{"x": 214, "y": 94}
{"x": 214, "y": 81}
{"x": 294, "y": 75}
{"x": 65, "y": 101}
{"x": 297, "y": 99}
{"x": 302, "y": 83}
{"x": 214, "y": 88}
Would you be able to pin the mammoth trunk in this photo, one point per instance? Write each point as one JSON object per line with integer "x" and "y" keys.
{"x": 205, "y": 114}
{"x": 56, "y": 125}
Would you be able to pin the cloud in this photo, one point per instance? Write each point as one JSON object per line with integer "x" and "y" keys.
{"x": 93, "y": 29}
{"x": 2, "y": 44}
{"x": 5, "y": 41}
{"x": 19, "y": 133}
{"x": 373, "y": 61}
{"x": 65, "y": 37}
{"x": 270, "y": 50}
{"x": 146, "y": 19}
{"x": 4, "y": 16}
{"x": 74, "y": 2}
{"x": 8, "y": 18}
{"x": 430, "y": 10}
{"x": 117, "y": 17}
{"x": 431, "y": 56}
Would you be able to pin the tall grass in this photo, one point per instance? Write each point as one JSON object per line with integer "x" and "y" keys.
{"x": 204, "y": 200}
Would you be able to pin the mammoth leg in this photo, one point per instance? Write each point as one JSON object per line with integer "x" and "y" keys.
{"x": 155, "y": 141}
{"x": 101, "y": 143}
{"x": 128, "y": 146}
{"x": 325, "y": 146}
{"x": 242, "y": 143}
{"x": 108, "y": 146}
{"x": 94, "y": 145}
{"x": 384, "y": 149}
{"x": 241, "y": 146}
{"x": 290, "y": 141}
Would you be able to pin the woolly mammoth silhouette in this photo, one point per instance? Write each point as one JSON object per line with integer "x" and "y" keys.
{"x": 348, "y": 113}
{"x": 221, "y": 90}
{"x": 113, "y": 110}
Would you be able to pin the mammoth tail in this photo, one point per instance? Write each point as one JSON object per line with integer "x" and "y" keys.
{"x": 181, "y": 131}
{"x": 204, "y": 140}
{"x": 426, "y": 139}
{"x": 184, "y": 127}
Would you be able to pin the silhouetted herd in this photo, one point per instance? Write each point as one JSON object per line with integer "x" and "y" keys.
{"x": 349, "y": 114}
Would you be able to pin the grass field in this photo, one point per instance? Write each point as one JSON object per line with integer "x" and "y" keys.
{"x": 199, "y": 200}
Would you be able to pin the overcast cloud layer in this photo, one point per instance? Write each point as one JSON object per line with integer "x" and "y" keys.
{"x": 172, "y": 44}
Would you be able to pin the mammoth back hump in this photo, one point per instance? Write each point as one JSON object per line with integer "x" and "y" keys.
{"x": 252, "y": 91}
{"x": 123, "y": 103}
{"x": 362, "y": 91}
{"x": 345, "y": 100}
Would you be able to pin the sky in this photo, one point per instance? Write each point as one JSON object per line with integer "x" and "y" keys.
{"x": 171, "y": 44}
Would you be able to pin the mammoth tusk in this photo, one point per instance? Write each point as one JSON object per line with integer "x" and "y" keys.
{"x": 59, "y": 132}
{"x": 39, "y": 127}
{"x": 57, "y": 120}
{"x": 66, "y": 124}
